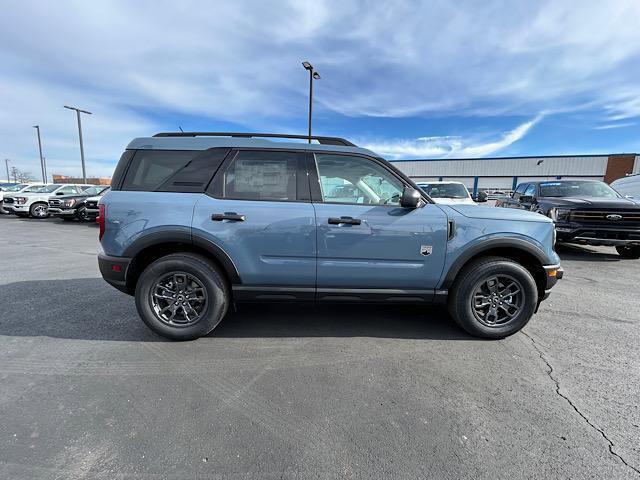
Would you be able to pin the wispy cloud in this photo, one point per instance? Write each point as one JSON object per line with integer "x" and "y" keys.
{"x": 450, "y": 146}
{"x": 609, "y": 126}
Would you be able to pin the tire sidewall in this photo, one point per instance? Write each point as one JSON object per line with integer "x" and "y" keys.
{"x": 207, "y": 274}
{"x": 464, "y": 311}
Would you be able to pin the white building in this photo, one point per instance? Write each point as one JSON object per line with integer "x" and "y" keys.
{"x": 506, "y": 173}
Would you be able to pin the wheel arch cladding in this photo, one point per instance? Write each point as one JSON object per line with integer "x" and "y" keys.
{"x": 152, "y": 247}
{"x": 526, "y": 254}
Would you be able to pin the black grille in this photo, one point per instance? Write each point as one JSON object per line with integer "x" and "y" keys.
{"x": 55, "y": 203}
{"x": 92, "y": 204}
{"x": 8, "y": 200}
{"x": 608, "y": 217}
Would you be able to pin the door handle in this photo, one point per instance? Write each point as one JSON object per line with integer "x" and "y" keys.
{"x": 345, "y": 220}
{"x": 218, "y": 217}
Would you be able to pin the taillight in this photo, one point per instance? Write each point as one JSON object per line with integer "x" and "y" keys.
{"x": 102, "y": 209}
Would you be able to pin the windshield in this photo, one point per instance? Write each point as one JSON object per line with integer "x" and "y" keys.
{"x": 47, "y": 188}
{"x": 94, "y": 191}
{"x": 15, "y": 188}
{"x": 444, "y": 190}
{"x": 577, "y": 189}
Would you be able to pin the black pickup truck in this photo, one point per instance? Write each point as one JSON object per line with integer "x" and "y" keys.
{"x": 71, "y": 207}
{"x": 586, "y": 212}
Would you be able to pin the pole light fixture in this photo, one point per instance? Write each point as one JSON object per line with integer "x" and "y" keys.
{"x": 78, "y": 112}
{"x": 44, "y": 175}
{"x": 313, "y": 75}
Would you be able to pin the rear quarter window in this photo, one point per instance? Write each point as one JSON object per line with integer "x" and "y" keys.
{"x": 186, "y": 171}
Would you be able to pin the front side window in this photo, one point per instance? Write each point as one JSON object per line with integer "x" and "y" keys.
{"x": 530, "y": 191}
{"x": 259, "y": 175}
{"x": 357, "y": 180}
{"x": 520, "y": 190}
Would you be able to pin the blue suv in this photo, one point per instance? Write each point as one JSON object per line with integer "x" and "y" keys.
{"x": 196, "y": 220}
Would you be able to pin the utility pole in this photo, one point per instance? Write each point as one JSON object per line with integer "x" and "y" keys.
{"x": 44, "y": 177}
{"x": 78, "y": 112}
{"x": 313, "y": 75}
{"x": 6, "y": 164}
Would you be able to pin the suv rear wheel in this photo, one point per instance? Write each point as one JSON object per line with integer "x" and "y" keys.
{"x": 182, "y": 296}
{"x": 628, "y": 251}
{"x": 493, "y": 297}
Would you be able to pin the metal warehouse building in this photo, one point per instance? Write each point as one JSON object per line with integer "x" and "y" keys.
{"x": 506, "y": 173}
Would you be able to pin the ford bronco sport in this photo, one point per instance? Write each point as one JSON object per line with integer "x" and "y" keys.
{"x": 197, "y": 220}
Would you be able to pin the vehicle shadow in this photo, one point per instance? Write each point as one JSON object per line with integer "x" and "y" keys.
{"x": 89, "y": 309}
{"x": 587, "y": 254}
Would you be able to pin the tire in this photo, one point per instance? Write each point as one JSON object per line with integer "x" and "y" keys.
{"x": 477, "y": 278}
{"x": 81, "y": 214}
{"x": 39, "y": 210}
{"x": 629, "y": 251}
{"x": 191, "y": 270}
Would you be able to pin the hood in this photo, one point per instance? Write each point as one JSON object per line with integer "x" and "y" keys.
{"x": 68, "y": 197}
{"x": 591, "y": 202}
{"x": 494, "y": 213}
{"x": 454, "y": 201}
{"x": 27, "y": 194}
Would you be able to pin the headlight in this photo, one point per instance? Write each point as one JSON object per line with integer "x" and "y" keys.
{"x": 21, "y": 200}
{"x": 559, "y": 214}
{"x": 70, "y": 203}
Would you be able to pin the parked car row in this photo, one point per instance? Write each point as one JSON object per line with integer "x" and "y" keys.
{"x": 65, "y": 201}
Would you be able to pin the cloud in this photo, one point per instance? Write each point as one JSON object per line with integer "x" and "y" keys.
{"x": 609, "y": 126}
{"x": 449, "y": 146}
{"x": 146, "y": 66}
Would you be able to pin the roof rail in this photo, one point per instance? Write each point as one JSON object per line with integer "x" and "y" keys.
{"x": 321, "y": 140}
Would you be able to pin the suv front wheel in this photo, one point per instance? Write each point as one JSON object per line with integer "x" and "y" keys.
{"x": 493, "y": 297}
{"x": 182, "y": 296}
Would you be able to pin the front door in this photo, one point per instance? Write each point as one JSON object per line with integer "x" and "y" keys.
{"x": 259, "y": 212}
{"x": 365, "y": 239}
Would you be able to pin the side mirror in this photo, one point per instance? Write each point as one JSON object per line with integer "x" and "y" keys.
{"x": 630, "y": 197}
{"x": 481, "y": 197}
{"x": 59, "y": 193}
{"x": 410, "y": 198}
{"x": 526, "y": 199}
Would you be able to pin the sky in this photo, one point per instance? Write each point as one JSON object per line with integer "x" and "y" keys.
{"x": 423, "y": 79}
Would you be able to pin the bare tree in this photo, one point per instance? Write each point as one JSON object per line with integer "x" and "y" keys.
{"x": 21, "y": 176}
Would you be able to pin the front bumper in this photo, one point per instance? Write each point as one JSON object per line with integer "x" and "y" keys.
{"x": 114, "y": 271}
{"x": 598, "y": 236}
{"x": 554, "y": 273}
{"x": 62, "y": 212}
{"x": 91, "y": 213}
{"x": 15, "y": 208}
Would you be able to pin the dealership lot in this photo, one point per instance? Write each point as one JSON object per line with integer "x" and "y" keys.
{"x": 299, "y": 391}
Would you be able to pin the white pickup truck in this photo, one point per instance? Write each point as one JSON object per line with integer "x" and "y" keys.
{"x": 35, "y": 203}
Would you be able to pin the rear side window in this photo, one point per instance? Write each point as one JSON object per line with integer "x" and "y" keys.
{"x": 172, "y": 170}
{"x": 260, "y": 175}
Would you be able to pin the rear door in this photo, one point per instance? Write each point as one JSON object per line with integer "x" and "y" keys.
{"x": 258, "y": 210}
{"x": 365, "y": 239}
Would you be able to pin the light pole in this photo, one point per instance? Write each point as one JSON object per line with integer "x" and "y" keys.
{"x": 44, "y": 175}
{"x": 6, "y": 164}
{"x": 313, "y": 75}
{"x": 78, "y": 112}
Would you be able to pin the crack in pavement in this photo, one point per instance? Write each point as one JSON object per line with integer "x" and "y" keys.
{"x": 584, "y": 417}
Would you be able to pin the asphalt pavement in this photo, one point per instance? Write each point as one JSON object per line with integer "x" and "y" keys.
{"x": 301, "y": 391}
